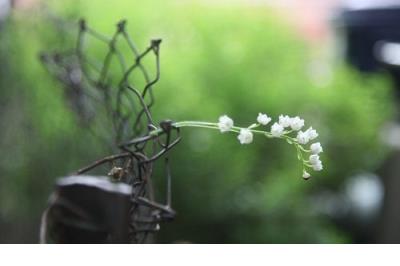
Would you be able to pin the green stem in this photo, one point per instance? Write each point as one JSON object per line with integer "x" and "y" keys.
{"x": 208, "y": 125}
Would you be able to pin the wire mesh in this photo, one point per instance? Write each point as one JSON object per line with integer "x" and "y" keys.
{"x": 116, "y": 107}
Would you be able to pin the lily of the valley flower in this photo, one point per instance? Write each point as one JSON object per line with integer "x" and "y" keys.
{"x": 277, "y": 130}
{"x": 312, "y": 133}
{"x": 284, "y": 120}
{"x": 296, "y": 123}
{"x": 287, "y": 128}
{"x": 245, "y": 136}
{"x": 314, "y": 159}
{"x": 315, "y": 162}
{"x": 263, "y": 119}
{"x": 225, "y": 123}
{"x": 317, "y": 166}
{"x": 303, "y": 137}
{"x": 316, "y": 148}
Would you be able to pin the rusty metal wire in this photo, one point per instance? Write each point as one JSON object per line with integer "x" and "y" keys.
{"x": 100, "y": 97}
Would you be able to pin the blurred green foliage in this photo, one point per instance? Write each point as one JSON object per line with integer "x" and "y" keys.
{"x": 215, "y": 59}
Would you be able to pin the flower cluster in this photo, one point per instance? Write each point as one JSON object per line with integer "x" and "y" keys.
{"x": 281, "y": 129}
{"x": 287, "y": 128}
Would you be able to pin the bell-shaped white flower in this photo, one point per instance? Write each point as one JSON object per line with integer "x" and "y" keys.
{"x": 302, "y": 137}
{"x": 315, "y": 162}
{"x": 225, "y": 123}
{"x": 316, "y": 148}
{"x": 312, "y": 133}
{"x": 318, "y": 166}
{"x": 314, "y": 158}
{"x": 296, "y": 123}
{"x": 277, "y": 130}
{"x": 245, "y": 136}
{"x": 263, "y": 119}
{"x": 284, "y": 120}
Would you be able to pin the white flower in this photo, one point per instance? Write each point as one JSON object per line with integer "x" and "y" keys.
{"x": 315, "y": 162}
{"x": 245, "y": 136}
{"x": 312, "y": 133}
{"x": 306, "y": 175}
{"x": 314, "y": 159}
{"x": 318, "y": 166}
{"x": 277, "y": 130}
{"x": 303, "y": 137}
{"x": 296, "y": 123}
{"x": 225, "y": 123}
{"x": 263, "y": 119}
{"x": 316, "y": 148}
{"x": 284, "y": 121}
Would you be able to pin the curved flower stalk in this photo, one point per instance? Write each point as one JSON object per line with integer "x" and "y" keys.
{"x": 287, "y": 128}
